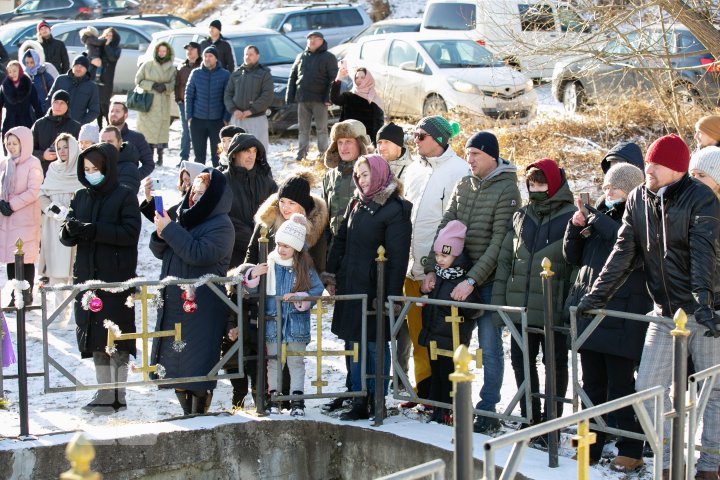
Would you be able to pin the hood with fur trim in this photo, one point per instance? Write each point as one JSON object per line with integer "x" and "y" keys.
{"x": 347, "y": 129}
{"x": 269, "y": 215}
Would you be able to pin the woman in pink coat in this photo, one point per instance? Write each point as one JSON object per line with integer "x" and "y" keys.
{"x": 20, "y": 179}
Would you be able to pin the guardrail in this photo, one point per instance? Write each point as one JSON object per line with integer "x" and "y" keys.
{"x": 435, "y": 469}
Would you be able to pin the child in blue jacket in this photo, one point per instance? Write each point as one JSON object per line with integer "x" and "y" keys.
{"x": 290, "y": 273}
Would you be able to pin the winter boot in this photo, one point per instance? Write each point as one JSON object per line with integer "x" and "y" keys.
{"x": 335, "y": 404}
{"x": 273, "y": 406}
{"x": 371, "y": 406}
{"x": 103, "y": 399}
{"x": 185, "y": 399}
{"x": 201, "y": 401}
{"x": 159, "y": 155}
{"x": 626, "y": 464}
{"x": 359, "y": 410}
{"x": 297, "y": 407}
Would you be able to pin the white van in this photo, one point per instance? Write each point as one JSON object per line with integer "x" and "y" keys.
{"x": 529, "y": 34}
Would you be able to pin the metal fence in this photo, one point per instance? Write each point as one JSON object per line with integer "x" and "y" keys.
{"x": 434, "y": 469}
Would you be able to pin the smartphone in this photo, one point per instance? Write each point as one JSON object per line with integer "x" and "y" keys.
{"x": 51, "y": 148}
{"x": 159, "y": 205}
{"x": 584, "y": 200}
{"x": 156, "y": 184}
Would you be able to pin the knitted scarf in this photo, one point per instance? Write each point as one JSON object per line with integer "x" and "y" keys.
{"x": 274, "y": 258}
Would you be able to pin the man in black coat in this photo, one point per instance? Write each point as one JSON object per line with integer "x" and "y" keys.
{"x": 46, "y": 129}
{"x": 118, "y": 118}
{"x": 128, "y": 158}
{"x": 84, "y": 95}
{"x": 671, "y": 225}
{"x": 309, "y": 85}
{"x": 226, "y": 56}
{"x": 54, "y": 49}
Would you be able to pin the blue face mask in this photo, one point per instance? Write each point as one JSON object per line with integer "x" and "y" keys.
{"x": 612, "y": 203}
{"x": 95, "y": 178}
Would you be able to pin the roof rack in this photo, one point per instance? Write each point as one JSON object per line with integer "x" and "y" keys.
{"x": 318, "y": 4}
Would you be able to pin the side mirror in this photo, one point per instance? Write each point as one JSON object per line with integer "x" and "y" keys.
{"x": 409, "y": 67}
{"x": 287, "y": 27}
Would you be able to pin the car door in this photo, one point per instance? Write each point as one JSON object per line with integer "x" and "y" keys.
{"x": 296, "y": 27}
{"x": 133, "y": 44}
{"x": 335, "y": 25}
{"x": 539, "y": 33}
{"x": 405, "y": 78}
{"x": 71, "y": 38}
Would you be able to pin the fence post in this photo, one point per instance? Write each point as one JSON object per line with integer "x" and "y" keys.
{"x": 550, "y": 394}
{"x": 260, "y": 370}
{"x": 380, "y": 339}
{"x": 680, "y": 341}
{"x": 80, "y": 452}
{"x": 21, "y": 347}
{"x": 463, "y": 420}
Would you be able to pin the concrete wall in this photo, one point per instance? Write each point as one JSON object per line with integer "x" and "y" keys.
{"x": 292, "y": 450}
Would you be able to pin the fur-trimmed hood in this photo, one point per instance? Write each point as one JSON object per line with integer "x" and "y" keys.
{"x": 381, "y": 198}
{"x": 347, "y": 129}
{"x": 269, "y": 216}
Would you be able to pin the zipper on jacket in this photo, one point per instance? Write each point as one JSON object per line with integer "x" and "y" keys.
{"x": 662, "y": 261}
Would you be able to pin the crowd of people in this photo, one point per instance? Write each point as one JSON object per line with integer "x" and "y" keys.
{"x": 453, "y": 229}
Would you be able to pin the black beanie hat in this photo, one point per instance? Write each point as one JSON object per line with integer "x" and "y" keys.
{"x": 297, "y": 189}
{"x": 229, "y": 131}
{"x": 81, "y": 60}
{"x": 216, "y": 23}
{"x": 61, "y": 95}
{"x": 392, "y": 133}
{"x": 486, "y": 142}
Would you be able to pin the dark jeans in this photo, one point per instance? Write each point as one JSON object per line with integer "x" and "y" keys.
{"x": 185, "y": 138}
{"x": 607, "y": 377}
{"x": 440, "y": 384}
{"x": 202, "y": 130}
{"x": 536, "y": 341}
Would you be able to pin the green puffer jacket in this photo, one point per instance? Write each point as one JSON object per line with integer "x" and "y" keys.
{"x": 485, "y": 207}
{"x": 338, "y": 188}
{"x": 538, "y": 230}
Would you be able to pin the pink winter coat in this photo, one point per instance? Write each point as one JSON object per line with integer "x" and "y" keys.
{"x": 24, "y": 223}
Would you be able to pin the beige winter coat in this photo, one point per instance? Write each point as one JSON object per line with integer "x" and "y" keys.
{"x": 155, "y": 124}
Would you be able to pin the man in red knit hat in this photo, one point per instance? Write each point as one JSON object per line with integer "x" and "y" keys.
{"x": 672, "y": 224}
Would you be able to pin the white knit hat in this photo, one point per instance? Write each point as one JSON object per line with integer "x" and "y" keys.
{"x": 292, "y": 232}
{"x": 707, "y": 160}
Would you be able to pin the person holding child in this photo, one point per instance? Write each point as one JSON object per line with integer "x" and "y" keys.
{"x": 451, "y": 267}
{"x": 290, "y": 273}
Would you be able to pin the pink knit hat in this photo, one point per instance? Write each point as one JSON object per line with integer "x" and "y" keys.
{"x": 451, "y": 239}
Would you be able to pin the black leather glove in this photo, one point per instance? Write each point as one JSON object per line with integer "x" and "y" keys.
{"x": 159, "y": 87}
{"x": 587, "y": 303}
{"x": 5, "y": 208}
{"x": 80, "y": 229}
{"x": 705, "y": 316}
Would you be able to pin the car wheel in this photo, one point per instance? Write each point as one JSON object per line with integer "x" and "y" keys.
{"x": 574, "y": 99}
{"x": 434, "y": 105}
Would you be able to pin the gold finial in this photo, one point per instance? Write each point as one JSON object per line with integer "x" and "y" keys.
{"x": 263, "y": 234}
{"x": 381, "y": 254}
{"x": 546, "y": 265}
{"x": 680, "y": 320}
{"x": 462, "y": 359}
{"x": 80, "y": 452}
{"x": 18, "y": 247}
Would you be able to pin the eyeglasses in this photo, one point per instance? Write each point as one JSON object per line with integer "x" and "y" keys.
{"x": 421, "y": 136}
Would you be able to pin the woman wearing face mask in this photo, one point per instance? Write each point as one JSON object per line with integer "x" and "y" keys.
{"x": 361, "y": 103}
{"x": 19, "y": 98}
{"x": 104, "y": 224}
{"x": 20, "y": 180}
{"x": 610, "y": 354}
{"x": 61, "y": 183}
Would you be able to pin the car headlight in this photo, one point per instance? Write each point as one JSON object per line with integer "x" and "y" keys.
{"x": 463, "y": 86}
{"x": 529, "y": 85}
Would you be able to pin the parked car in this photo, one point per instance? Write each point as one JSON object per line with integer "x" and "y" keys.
{"x": 396, "y": 25}
{"x": 336, "y": 21}
{"x": 636, "y": 62}
{"x": 135, "y": 36}
{"x": 526, "y": 34}
{"x": 119, "y": 7}
{"x": 276, "y": 52}
{"x": 13, "y": 34}
{"x": 171, "y": 21}
{"x": 420, "y": 74}
{"x": 47, "y": 9}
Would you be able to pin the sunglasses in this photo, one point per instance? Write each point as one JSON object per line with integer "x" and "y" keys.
{"x": 421, "y": 136}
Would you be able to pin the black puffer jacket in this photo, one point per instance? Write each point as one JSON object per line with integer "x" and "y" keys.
{"x": 110, "y": 255}
{"x": 614, "y": 336}
{"x": 110, "y": 56}
{"x": 434, "y": 326}
{"x": 84, "y": 96}
{"x": 225, "y": 52}
{"x": 56, "y": 53}
{"x": 312, "y": 75}
{"x": 21, "y": 103}
{"x": 46, "y": 129}
{"x": 678, "y": 241}
{"x": 250, "y": 189}
{"x": 357, "y": 108}
{"x": 128, "y": 173}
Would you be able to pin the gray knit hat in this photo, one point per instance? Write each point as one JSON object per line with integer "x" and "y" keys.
{"x": 90, "y": 132}
{"x": 624, "y": 176}
{"x": 707, "y": 160}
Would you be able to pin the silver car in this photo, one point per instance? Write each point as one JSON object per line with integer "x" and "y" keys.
{"x": 135, "y": 36}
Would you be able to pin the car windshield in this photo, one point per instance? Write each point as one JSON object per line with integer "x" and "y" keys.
{"x": 459, "y": 54}
{"x": 272, "y": 21}
{"x": 154, "y": 28}
{"x": 450, "y": 16}
{"x": 389, "y": 28}
{"x": 274, "y": 49}
{"x": 8, "y": 33}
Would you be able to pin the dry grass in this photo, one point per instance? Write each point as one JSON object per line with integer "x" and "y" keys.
{"x": 188, "y": 9}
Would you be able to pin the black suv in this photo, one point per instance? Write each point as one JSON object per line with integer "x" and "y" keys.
{"x": 46, "y": 9}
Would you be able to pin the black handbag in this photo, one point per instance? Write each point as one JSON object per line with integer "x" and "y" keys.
{"x": 140, "y": 101}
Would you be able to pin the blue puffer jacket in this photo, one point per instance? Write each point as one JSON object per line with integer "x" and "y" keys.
{"x": 204, "y": 93}
{"x": 295, "y": 324}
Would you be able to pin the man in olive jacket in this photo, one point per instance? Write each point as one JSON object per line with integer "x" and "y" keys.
{"x": 309, "y": 85}
{"x": 484, "y": 202}
{"x": 249, "y": 93}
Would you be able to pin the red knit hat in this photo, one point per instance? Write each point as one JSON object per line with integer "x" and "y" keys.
{"x": 551, "y": 170}
{"x": 42, "y": 23}
{"x": 669, "y": 151}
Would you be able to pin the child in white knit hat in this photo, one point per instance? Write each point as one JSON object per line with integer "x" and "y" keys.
{"x": 705, "y": 166}
{"x": 290, "y": 273}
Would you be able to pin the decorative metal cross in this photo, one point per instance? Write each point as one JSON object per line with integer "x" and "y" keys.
{"x": 113, "y": 336}
{"x": 319, "y": 353}
{"x": 455, "y": 320}
{"x": 582, "y": 442}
